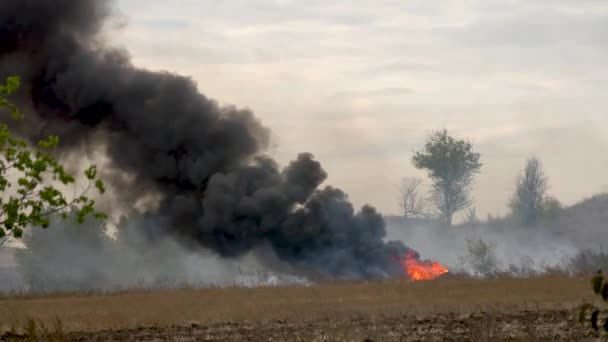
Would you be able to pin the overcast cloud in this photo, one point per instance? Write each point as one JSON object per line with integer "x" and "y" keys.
{"x": 360, "y": 82}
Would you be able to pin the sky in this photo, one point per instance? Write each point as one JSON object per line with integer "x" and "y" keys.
{"x": 360, "y": 83}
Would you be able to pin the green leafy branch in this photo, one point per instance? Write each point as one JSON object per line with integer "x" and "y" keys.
{"x": 28, "y": 176}
{"x": 592, "y": 315}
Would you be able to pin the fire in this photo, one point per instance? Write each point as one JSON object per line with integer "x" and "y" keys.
{"x": 422, "y": 269}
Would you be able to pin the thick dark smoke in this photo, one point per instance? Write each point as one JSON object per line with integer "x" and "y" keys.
{"x": 218, "y": 189}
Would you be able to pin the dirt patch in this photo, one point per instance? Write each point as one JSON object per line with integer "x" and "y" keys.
{"x": 549, "y": 325}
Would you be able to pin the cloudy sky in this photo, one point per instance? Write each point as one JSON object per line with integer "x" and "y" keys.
{"x": 359, "y": 83}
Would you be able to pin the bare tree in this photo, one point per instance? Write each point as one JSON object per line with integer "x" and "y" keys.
{"x": 471, "y": 219}
{"x": 412, "y": 203}
{"x": 530, "y": 193}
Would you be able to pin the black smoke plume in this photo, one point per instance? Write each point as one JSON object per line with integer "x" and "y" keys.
{"x": 218, "y": 190}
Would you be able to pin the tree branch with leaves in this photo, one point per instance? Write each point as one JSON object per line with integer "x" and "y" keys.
{"x": 597, "y": 318}
{"x": 30, "y": 177}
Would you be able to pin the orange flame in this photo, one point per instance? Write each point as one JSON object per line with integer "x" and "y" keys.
{"x": 422, "y": 269}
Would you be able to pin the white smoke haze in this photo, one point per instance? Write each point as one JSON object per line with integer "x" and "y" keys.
{"x": 533, "y": 250}
{"x": 73, "y": 257}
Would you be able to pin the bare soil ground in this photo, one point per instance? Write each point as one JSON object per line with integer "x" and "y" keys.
{"x": 548, "y": 325}
{"x": 447, "y": 309}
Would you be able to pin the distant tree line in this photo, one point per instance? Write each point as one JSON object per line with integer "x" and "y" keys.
{"x": 451, "y": 164}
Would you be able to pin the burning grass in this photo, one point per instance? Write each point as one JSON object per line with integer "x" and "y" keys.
{"x": 420, "y": 270}
{"x": 296, "y": 304}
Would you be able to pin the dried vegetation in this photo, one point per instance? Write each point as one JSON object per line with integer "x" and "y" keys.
{"x": 450, "y": 308}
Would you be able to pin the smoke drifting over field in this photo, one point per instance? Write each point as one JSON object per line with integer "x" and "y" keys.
{"x": 205, "y": 162}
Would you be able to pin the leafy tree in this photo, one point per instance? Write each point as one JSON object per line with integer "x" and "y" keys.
{"x": 551, "y": 208}
{"x": 451, "y": 164}
{"x": 30, "y": 178}
{"x": 527, "y": 203}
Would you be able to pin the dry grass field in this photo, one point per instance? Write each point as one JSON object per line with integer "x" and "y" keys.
{"x": 458, "y": 309}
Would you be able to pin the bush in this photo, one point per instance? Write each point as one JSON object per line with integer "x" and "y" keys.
{"x": 481, "y": 257}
